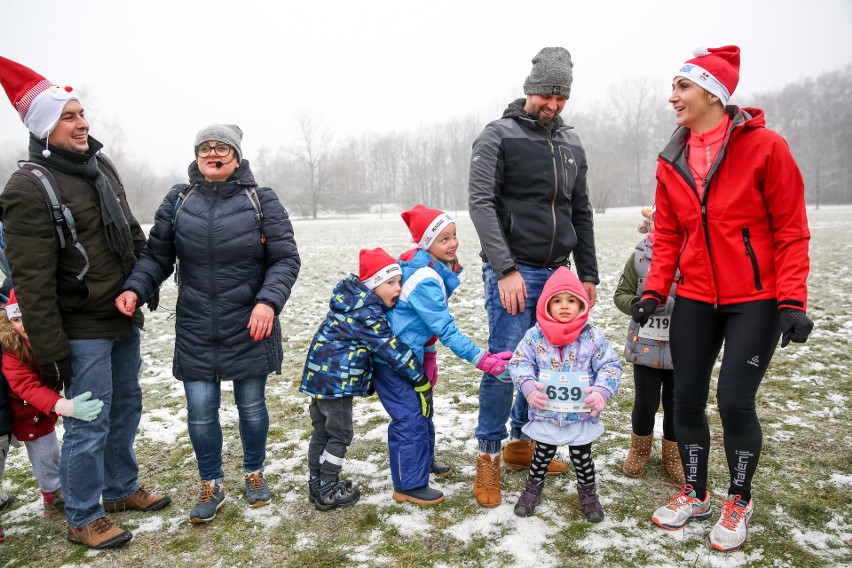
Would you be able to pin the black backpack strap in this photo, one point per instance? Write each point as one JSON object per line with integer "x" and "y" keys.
{"x": 179, "y": 203}
{"x": 60, "y": 214}
{"x": 251, "y": 192}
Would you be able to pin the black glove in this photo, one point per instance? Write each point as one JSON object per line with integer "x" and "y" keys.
{"x": 371, "y": 389}
{"x": 424, "y": 391}
{"x": 56, "y": 375}
{"x": 154, "y": 300}
{"x": 642, "y": 310}
{"x": 795, "y": 326}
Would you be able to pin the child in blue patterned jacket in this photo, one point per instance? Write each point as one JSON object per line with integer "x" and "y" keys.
{"x": 567, "y": 371}
{"x": 339, "y": 367}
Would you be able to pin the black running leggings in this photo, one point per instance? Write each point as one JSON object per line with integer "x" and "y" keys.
{"x": 649, "y": 383}
{"x": 750, "y": 333}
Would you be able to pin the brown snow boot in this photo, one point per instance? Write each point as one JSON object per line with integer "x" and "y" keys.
{"x": 672, "y": 463}
{"x": 486, "y": 486}
{"x": 518, "y": 455}
{"x": 638, "y": 455}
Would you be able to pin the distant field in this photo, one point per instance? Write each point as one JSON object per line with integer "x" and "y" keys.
{"x": 802, "y": 492}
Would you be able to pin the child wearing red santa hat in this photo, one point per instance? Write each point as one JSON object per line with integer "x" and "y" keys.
{"x": 428, "y": 278}
{"x": 339, "y": 366}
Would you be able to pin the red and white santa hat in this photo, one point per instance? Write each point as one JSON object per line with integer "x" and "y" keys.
{"x": 38, "y": 101}
{"x": 716, "y": 69}
{"x": 377, "y": 266}
{"x": 12, "y": 308}
{"x": 425, "y": 224}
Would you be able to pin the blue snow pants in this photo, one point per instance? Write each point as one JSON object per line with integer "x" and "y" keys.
{"x": 411, "y": 436}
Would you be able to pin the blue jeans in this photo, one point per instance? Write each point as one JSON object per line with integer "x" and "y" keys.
{"x": 97, "y": 457}
{"x": 203, "y": 399}
{"x": 504, "y": 333}
{"x": 411, "y": 436}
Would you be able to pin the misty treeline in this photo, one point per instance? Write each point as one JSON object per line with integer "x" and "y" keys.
{"x": 318, "y": 173}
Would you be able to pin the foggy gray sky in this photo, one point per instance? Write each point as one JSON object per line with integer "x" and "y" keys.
{"x": 160, "y": 70}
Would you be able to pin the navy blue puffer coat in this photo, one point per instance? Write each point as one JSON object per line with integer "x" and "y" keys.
{"x": 224, "y": 270}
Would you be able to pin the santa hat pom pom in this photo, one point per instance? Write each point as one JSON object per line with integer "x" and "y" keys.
{"x": 45, "y": 153}
{"x": 700, "y": 51}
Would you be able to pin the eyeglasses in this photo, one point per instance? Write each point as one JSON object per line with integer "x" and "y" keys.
{"x": 220, "y": 150}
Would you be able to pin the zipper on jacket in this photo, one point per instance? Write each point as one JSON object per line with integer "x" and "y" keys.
{"x": 753, "y": 257}
{"x": 211, "y": 272}
{"x": 555, "y": 193}
{"x": 707, "y": 241}
{"x": 680, "y": 254}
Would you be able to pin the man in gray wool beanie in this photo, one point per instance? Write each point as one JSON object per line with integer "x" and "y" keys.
{"x": 551, "y": 73}
{"x": 230, "y": 134}
{"x": 516, "y": 162}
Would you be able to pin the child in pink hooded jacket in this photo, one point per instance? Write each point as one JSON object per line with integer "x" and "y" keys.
{"x": 567, "y": 371}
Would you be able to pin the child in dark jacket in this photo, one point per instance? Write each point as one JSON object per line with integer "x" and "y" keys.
{"x": 339, "y": 367}
{"x": 35, "y": 407}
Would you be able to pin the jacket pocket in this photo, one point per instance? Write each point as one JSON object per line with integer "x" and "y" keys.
{"x": 753, "y": 258}
{"x": 569, "y": 170}
{"x": 680, "y": 254}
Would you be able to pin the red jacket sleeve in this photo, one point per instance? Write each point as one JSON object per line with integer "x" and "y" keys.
{"x": 669, "y": 239}
{"x": 24, "y": 384}
{"x": 784, "y": 195}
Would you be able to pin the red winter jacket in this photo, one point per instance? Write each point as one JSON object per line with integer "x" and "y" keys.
{"x": 747, "y": 239}
{"x": 30, "y": 402}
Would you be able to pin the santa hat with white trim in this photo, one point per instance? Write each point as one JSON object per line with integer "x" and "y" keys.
{"x": 715, "y": 69}
{"x": 425, "y": 224}
{"x": 376, "y": 266}
{"x": 12, "y": 308}
{"x": 38, "y": 101}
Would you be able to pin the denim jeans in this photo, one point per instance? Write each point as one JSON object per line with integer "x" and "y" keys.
{"x": 504, "y": 333}
{"x": 203, "y": 399}
{"x": 97, "y": 457}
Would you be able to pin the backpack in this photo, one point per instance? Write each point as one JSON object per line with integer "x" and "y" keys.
{"x": 251, "y": 193}
{"x": 61, "y": 215}
{"x": 184, "y": 194}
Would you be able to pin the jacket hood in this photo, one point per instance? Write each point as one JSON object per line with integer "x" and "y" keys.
{"x": 350, "y": 296}
{"x": 562, "y": 280}
{"x": 242, "y": 175}
{"x": 516, "y": 110}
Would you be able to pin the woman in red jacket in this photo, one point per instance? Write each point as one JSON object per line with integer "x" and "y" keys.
{"x": 731, "y": 216}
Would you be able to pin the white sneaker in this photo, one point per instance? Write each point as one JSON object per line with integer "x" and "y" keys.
{"x": 683, "y": 508}
{"x": 732, "y": 529}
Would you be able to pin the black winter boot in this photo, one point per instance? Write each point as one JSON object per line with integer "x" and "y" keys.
{"x": 419, "y": 496}
{"x": 333, "y": 494}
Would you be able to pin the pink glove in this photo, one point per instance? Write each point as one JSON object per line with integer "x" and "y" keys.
{"x": 595, "y": 401}
{"x": 430, "y": 366}
{"x": 494, "y": 364}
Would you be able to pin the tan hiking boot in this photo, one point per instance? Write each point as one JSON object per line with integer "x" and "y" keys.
{"x": 638, "y": 455}
{"x": 100, "y": 533}
{"x": 486, "y": 486}
{"x": 140, "y": 500}
{"x": 518, "y": 454}
{"x": 672, "y": 463}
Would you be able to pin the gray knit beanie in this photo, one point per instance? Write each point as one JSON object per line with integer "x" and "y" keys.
{"x": 551, "y": 73}
{"x": 230, "y": 134}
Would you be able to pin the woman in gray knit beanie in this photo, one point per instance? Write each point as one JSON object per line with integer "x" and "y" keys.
{"x": 231, "y": 245}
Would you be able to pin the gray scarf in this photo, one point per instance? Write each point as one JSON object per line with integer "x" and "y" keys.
{"x": 85, "y": 165}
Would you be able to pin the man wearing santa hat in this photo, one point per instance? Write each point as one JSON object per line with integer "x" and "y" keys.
{"x": 79, "y": 338}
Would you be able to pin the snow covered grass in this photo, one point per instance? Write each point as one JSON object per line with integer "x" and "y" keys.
{"x": 802, "y": 489}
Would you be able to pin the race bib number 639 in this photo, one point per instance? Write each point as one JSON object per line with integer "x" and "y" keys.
{"x": 565, "y": 391}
